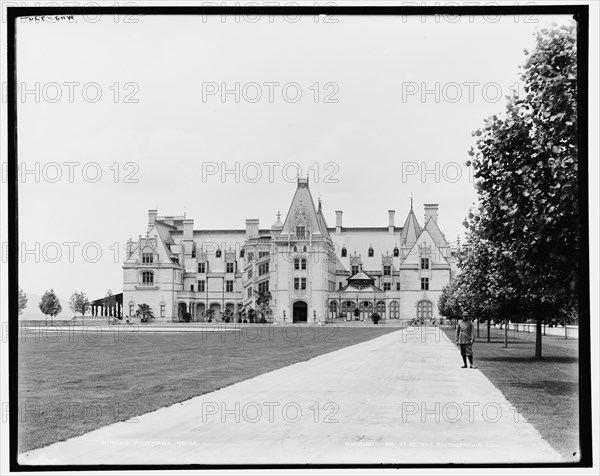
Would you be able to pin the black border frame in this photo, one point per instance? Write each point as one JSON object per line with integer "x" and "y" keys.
{"x": 581, "y": 15}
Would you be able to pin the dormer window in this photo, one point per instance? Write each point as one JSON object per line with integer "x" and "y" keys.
{"x": 242, "y": 252}
{"x": 147, "y": 258}
{"x": 218, "y": 253}
{"x": 300, "y": 231}
{"x": 303, "y": 264}
{"x": 344, "y": 252}
{"x": 396, "y": 252}
{"x": 371, "y": 252}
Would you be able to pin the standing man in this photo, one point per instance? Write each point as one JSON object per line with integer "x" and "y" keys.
{"x": 464, "y": 337}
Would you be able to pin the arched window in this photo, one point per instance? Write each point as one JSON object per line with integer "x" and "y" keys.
{"x": 371, "y": 252}
{"x": 147, "y": 278}
{"x": 366, "y": 309}
{"x": 394, "y": 310}
{"x": 348, "y": 307}
{"x": 333, "y": 309}
{"x": 396, "y": 252}
{"x": 296, "y": 263}
{"x": 380, "y": 309}
{"x": 424, "y": 310}
{"x": 242, "y": 253}
{"x": 303, "y": 263}
{"x": 344, "y": 252}
{"x": 218, "y": 253}
{"x": 295, "y": 249}
{"x": 304, "y": 249}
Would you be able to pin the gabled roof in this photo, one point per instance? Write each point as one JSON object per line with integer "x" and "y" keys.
{"x": 434, "y": 230}
{"x": 303, "y": 208}
{"x": 321, "y": 221}
{"x": 361, "y": 276}
{"x": 411, "y": 229}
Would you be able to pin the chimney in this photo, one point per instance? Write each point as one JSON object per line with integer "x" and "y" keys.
{"x": 431, "y": 210}
{"x": 338, "y": 221}
{"x": 251, "y": 228}
{"x": 152, "y": 217}
{"x": 391, "y": 214}
{"x": 188, "y": 237}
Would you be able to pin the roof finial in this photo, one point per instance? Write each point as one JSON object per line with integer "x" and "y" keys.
{"x": 278, "y": 215}
{"x": 411, "y": 202}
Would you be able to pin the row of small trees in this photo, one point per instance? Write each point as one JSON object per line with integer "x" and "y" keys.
{"x": 522, "y": 253}
{"x": 78, "y": 303}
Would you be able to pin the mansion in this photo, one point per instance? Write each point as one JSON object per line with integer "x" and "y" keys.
{"x": 300, "y": 270}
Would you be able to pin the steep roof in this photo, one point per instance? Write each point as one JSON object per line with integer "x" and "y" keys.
{"x": 411, "y": 229}
{"x": 302, "y": 210}
{"x": 434, "y": 230}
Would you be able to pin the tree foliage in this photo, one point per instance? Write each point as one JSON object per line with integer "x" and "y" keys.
{"x": 22, "y": 301}
{"x": 79, "y": 303}
{"x": 144, "y": 312}
{"x": 50, "y": 305}
{"x": 522, "y": 253}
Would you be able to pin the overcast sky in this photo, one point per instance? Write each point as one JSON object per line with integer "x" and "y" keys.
{"x": 362, "y": 129}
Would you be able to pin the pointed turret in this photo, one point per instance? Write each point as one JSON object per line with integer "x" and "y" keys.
{"x": 411, "y": 229}
{"x": 302, "y": 217}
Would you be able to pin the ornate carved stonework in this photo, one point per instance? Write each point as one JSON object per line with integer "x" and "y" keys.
{"x": 387, "y": 259}
{"x": 355, "y": 259}
{"x": 230, "y": 256}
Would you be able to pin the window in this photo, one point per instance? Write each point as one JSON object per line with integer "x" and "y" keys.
{"x": 162, "y": 310}
{"x": 263, "y": 287}
{"x": 333, "y": 309}
{"x": 201, "y": 286}
{"x": 192, "y": 287}
{"x": 341, "y": 285}
{"x": 387, "y": 270}
{"x": 397, "y": 286}
{"x": 301, "y": 231}
{"x": 263, "y": 269}
{"x": 147, "y": 258}
{"x": 424, "y": 263}
{"x": 304, "y": 249}
{"x": 303, "y": 264}
{"x": 394, "y": 310}
{"x": 262, "y": 254}
{"x": 380, "y": 309}
{"x": 296, "y": 263}
{"x": 229, "y": 267}
{"x": 371, "y": 252}
{"x": 424, "y": 284}
{"x": 147, "y": 278}
{"x": 296, "y": 283}
{"x": 396, "y": 252}
{"x": 295, "y": 249}
{"x": 387, "y": 286}
{"x": 131, "y": 310}
{"x": 250, "y": 256}
{"x": 242, "y": 252}
{"x": 202, "y": 267}
{"x": 228, "y": 286}
{"x": 424, "y": 310}
{"x": 302, "y": 283}
{"x": 344, "y": 252}
{"x": 249, "y": 292}
{"x": 218, "y": 253}
{"x": 250, "y": 273}
{"x": 355, "y": 269}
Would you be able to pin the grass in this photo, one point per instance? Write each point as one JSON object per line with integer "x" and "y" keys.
{"x": 545, "y": 392}
{"x": 70, "y": 384}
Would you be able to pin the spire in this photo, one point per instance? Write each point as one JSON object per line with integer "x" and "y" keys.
{"x": 411, "y": 229}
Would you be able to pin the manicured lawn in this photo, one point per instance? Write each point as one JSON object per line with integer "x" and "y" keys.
{"x": 545, "y": 392}
{"x": 70, "y": 384}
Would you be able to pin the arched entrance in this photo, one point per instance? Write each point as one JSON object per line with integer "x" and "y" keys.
{"x": 300, "y": 311}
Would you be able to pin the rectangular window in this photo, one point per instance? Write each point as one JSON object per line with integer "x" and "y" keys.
{"x": 201, "y": 286}
{"x": 250, "y": 256}
{"x": 424, "y": 263}
{"x": 425, "y": 284}
{"x": 131, "y": 310}
{"x": 147, "y": 258}
{"x": 302, "y": 283}
{"x": 202, "y": 267}
{"x": 228, "y": 286}
{"x": 387, "y": 270}
{"x": 229, "y": 268}
{"x": 263, "y": 269}
{"x": 397, "y": 286}
{"x": 249, "y": 273}
{"x": 192, "y": 287}
{"x": 341, "y": 285}
{"x": 355, "y": 269}
{"x": 296, "y": 283}
{"x": 303, "y": 264}
{"x": 301, "y": 231}
{"x": 162, "y": 310}
{"x": 387, "y": 286}
{"x": 296, "y": 263}
{"x": 249, "y": 292}
{"x": 263, "y": 287}
{"x": 262, "y": 254}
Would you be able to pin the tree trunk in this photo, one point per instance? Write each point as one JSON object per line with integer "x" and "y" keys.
{"x": 565, "y": 324}
{"x": 489, "y": 327}
{"x": 505, "y": 333}
{"x": 478, "y": 328}
{"x": 538, "y": 337}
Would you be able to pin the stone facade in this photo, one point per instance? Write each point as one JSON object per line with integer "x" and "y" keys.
{"x": 300, "y": 270}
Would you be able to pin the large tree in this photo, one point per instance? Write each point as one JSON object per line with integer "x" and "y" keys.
{"x": 50, "y": 305}
{"x": 526, "y": 167}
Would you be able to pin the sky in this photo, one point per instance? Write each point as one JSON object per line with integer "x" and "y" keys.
{"x": 120, "y": 115}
